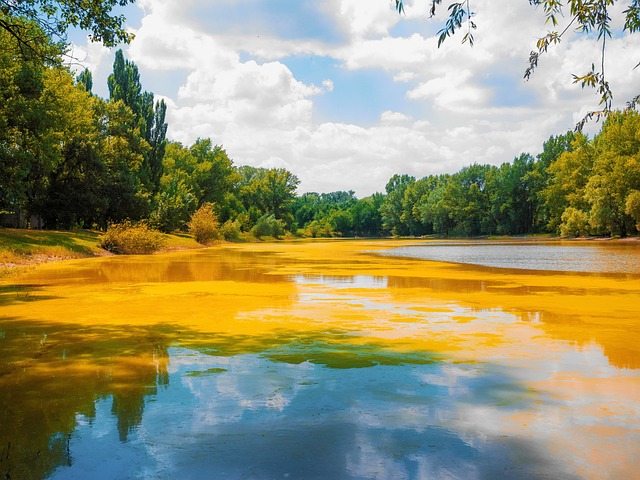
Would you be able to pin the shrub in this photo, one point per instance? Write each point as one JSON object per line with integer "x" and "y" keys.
{"x": 230, "y": 230}
{"x": 633, "y": 207}
{"x": 318, "y": 229}
{"x": 267, "y": 226}
{"x": 130, "y": 239}
{"x": 574, "y": 223}
{"x": 204, "y": 225}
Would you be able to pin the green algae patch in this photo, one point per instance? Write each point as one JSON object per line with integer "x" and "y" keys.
{"x": 345, "y": 355}
{"x": 205, "y": 373}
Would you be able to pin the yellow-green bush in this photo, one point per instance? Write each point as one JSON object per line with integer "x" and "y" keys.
{"x": 574, "y": 223}
{"x": 204, "y": 225}
{"x": 231, "y": 231}
{"x": 127, "y": 238}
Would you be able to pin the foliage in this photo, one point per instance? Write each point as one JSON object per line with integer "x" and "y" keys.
{"x": 76, "y": 160}
{"x": 28, "y": 150}
{"x": 575, "y": 223}
{"x": 204, "y": 225}
{"x": 131, "y": 239}
{"x": 231, "y": 231}
{"x": 54, "y": 17}
{"x": 268, "y": 226}
{"x": 392, "y": 207}
{"x": 124, "y": 85}
{"x": 615, "y": 174}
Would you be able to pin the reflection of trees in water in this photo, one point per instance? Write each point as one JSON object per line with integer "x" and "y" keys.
{"x": 616, "y": 335}
{"x": 619, "y": 344}
{"x": 50, "y": 374}
{"x": 203, "y": 265}
{"x": 142, "y": 381}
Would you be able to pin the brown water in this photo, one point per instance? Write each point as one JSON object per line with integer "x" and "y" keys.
{"x": 317, "y": 360}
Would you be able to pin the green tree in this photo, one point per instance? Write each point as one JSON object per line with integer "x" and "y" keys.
{"x": 305, "y": 208}
{"x": 54, "y": 17}
{"x": 124, "y": 85}
{"x": 392, "y": 209}
{"x": 74, "y": 186}
{"x": 568, "y": 177}
{"x": 279, "y": 189}
{"x": 436, "y": 207}
{"x": 124, "y": 151}
{"x": 341, "y": 222}
{"x": 367, "y": 220}
{"x": 468, "y": 200}
{"x": 632, "y": 207}
{"x": 268, "y": 226}
{"x": 615, "y": 174}
{"x": 213, "y": 172}
{"x": 85, "y": 78}
{"x": 513, "y": 196}
{"x": 574, "y": 223}
{"x": 27, "y": 143}
{"x": 268, "y": 191}
{"x": 539, "y": 176}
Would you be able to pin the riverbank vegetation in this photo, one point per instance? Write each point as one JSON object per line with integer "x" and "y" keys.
{"x": 24, "y": 247}
{"x": 73, "y": 160}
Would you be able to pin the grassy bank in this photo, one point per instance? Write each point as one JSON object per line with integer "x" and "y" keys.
{"x": 19, "y": 247}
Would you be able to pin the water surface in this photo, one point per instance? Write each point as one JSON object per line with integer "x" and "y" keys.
{"x": 587, "y": 257}
{"x": 316, "y": 360}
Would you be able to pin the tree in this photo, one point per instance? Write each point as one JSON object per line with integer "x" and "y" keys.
{"x": 632, "y": 207}
{"x": 124, "y": 85}
{"x": 279, "y": 189}
{"x": 568, "y": 177}
{"x": 74, "y": 195}
{"x": 574, "y": 223}
{"x": 539, "y": 176}
{"x": 513, "y": 197}
{"x": 615, "y": 174}
{"x": 341, "y": 222}
{"x": 586, "y": 16}
{"x": 392, "y": 208}
{"x": 435, "y": 207}
{"x": 27, "y": 148}
{"x": 85, "y": 78}
{"x": 365, "y": 213}
{"x": 124, "y": 151}
{"x": 214, "y": 173}
{"x": 55, "y": 17}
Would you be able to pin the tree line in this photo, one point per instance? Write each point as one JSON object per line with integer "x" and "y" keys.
{"x": 75, "y": 160}
{"x": 576, "y": 186}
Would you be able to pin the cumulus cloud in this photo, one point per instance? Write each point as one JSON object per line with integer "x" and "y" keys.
{"x": 438, "y": 109}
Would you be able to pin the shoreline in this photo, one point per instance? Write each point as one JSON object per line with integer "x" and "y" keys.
{"x": 12, "y": 262}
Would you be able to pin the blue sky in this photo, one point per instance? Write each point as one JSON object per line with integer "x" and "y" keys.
{"x": 346, "y": 93}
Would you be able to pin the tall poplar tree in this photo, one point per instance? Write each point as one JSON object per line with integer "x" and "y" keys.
{"x": 124, "y": 84}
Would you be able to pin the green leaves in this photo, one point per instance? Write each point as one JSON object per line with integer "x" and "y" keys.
{"x": 457, "y": 12}
{"x": 55, "y": 17}
{"x": 632, "y": 17}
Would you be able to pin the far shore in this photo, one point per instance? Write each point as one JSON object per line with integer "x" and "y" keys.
{"x": 25, "y": 248}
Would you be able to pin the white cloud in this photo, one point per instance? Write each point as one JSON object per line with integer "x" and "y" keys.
{"x": 441, "y": 108}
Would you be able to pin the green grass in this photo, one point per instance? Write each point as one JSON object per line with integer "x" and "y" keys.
{"x": 45, "y": 242}
{"x": 25, "y": 247}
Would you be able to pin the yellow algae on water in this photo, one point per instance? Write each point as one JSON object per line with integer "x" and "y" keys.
{"x": 106, "y": 326}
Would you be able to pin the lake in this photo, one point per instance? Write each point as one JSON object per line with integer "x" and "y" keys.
{"x": 325, "y": 359}
{"x": 567, "y": 256}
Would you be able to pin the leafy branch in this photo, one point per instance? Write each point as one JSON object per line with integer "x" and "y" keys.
{"x": 585, "y": 16}
{"x": 55, "y": 17}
